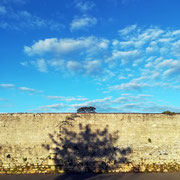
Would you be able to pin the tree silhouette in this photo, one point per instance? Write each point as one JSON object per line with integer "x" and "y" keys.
{"x": 86, "y": 150}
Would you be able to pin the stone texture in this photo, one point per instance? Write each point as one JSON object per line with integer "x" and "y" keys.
{"x": 153, "y": 138}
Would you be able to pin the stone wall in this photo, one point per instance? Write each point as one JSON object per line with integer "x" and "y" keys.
{"x": 43, "y": 143}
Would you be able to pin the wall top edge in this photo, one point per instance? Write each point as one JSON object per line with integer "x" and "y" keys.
{"x": 81, "y": 113}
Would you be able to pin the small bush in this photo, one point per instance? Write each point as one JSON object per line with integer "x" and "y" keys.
{"x": 24, "y": 159}
{"x": 168, "y": 112}
{"x": 149, "y": 140}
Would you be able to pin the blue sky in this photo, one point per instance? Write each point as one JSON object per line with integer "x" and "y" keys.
{"x": 115, "y": 55}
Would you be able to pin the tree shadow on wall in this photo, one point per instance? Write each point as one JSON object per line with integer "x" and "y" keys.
{"x": 86, "y": 150}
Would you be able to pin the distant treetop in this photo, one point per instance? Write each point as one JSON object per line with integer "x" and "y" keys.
{"x": 89, "y": 109}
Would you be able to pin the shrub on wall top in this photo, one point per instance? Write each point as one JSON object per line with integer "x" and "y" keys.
{"x": 168, "y": 112}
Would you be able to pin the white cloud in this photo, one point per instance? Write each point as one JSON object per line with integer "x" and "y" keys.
{"x": 155, "y": 74}
{"x": 167, "y": 85}
{"x": 137, "y": 62}
{"x": 106, "y": 74}
{"x": 108, "y": 104}
{"x": 51, "y": 108}
{"x": 127, "y": 30}
{"x": 12, "y": 86}
{"x": 81, "y": 23}
{"x": 136, "y": 80}
{"x": 156, "y": 108}
{"x": 164, "y": 50}
{"x": 56, "y": 97}
{"x": 84, "y": 5}
{"x": 165, "y": 63}
{"x": 125, "y": 56}
{"x": 126, "y": 53}
{"x": 151, "y": 58}
{"x": 137, "y": 38}
{"x": 146, "y": 107}
{"x": 145, "y": 51}
{"x": 28, "y": 89}
{"x": 115, "y": 42}
{"x": 101, "y": 105}
{"x": 151, "y": 49}
{"x": 174, "y": 70}
{"x": 165, "y": 40}
{"x": 150, "y": 34}
{"x": 175, "y": 33}
{"x": 93, "y": 102}
{"x": 7, "y": 85}
{"x": 138, "y": 103}
{"x": 120, "y": 100}
{"x": 129, "y": 86}
{"x": 122, "y": 77}
{"x": 67, "y": 45}
{"x": 74, "y": 66}
{"x": 139, "y": 97}
{"x": 67, "y": 99}
{"x": 172, "y": 65}
{"x": 85, "y": 67}
{"x": 176, "y": 48}
{"x": 136, "y": 106}
{"x": 144, "y": 95}
{"x": 124, "y": 44}
{"x": 129, "y": 103}
{"x": 93, "y": 67}
{"x": 155, "y": 46}
{"x": 158, "y": 60}
{"x": 25, "y": 63}
{"x": 58, "y": 64}
{"x": 103, "y": 44}
{"x": 15, "y": 19}
{"x": 41, "y": 65}
{"x": 41, "y": 46}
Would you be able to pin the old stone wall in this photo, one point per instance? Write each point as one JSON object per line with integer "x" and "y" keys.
{"x": 37, "y": 143}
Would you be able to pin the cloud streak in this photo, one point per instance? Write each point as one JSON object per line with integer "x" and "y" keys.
{"x": 82, "y": 23}
{"x": 129, "y": 86}
{"x": 84, "y": 6}
{"x": 67, "y": 99}
{"x": 12, "y": 86}
{"x": 50, "y": 108}
{"x": 22, "y": 19}
{"x": 7, "y": 85}
{"x": 29, "y": 89}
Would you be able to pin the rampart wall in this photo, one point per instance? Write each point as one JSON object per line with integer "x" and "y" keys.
{"x": 43, "y": 143}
